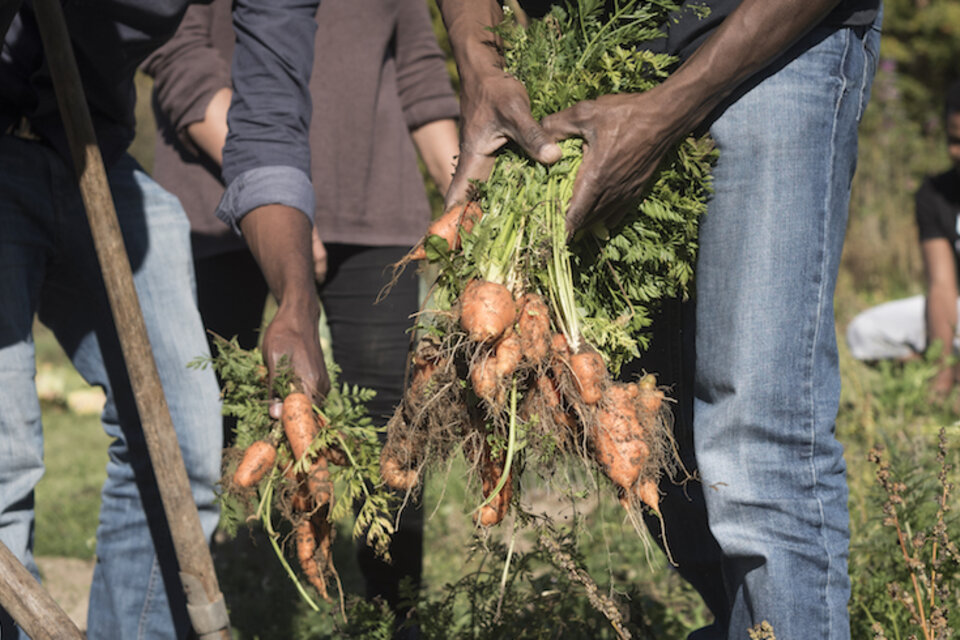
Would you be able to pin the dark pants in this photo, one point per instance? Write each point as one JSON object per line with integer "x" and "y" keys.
{"x": 370, "y": 344}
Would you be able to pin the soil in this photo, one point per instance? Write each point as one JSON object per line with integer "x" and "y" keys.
{"x": 68, "y": 581}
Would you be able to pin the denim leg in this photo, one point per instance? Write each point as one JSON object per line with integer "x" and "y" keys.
{"x": 767, "y": 381}
{"x": 136, "y": 592}
{"x": 25, "y": 244}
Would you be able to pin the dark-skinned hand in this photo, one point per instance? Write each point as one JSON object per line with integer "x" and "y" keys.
{"x": 292, "y": 337}
{"x": 625, "y": 137}
{"x": 280, "y": 239}
{"x": 494, "y": 108}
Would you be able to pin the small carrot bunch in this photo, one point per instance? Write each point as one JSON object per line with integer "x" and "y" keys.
{"x": 286, "y": 474}
{"x": 527, "y": 331}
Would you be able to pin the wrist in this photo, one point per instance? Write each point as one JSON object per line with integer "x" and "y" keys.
{"x": 299, "y": 306}
{"x": 476, "y": 49}
{"x": 280, "y": 239}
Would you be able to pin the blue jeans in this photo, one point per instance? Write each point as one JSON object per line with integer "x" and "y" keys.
{"x": 766, "y": 375}
{"x": 48, "y": 267}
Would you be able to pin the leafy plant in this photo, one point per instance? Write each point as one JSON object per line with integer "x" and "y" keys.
{"x": 915, "y": 589}
{"x": 273, "y": 501}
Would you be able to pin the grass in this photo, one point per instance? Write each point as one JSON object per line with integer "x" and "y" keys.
{"x": 75, "y": 454}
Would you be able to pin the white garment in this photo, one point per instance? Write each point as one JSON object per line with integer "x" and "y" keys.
{"x": 891, "y": 330}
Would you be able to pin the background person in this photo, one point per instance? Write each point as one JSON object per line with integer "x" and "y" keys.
{"x": 905, "y": 329}
{"x": 49, "y": 269}
{"x": 380, "y": 93}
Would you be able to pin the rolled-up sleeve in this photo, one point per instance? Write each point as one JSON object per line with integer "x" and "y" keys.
{"x": 267, "y": 156}
{"x": 423, "y": 82}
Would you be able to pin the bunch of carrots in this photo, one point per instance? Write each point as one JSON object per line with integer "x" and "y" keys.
{"x": 527, "y": 331}
{"x": 285, "y": 474}
{"x": 502, "y": 364}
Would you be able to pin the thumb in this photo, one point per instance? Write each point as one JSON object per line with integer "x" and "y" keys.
{"x": 535, "y": 142}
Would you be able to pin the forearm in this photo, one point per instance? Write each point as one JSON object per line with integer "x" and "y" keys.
{"x": 438, "y": 147}
{"x": 941, "y": 320}
{"x": 748, "y": 40}
{"x": 280, "y": 239}
{"x": 941, "y": 307}
{"x": 475, "y": 48}
{"x": 210, "y": 134}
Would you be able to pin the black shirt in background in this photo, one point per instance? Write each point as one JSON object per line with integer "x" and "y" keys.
{"x": 938, "y": 208}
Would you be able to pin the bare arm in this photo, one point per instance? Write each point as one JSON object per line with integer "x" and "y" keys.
{"x": 627, "y": 135}
{"x": 438, "y": 147}
{"x": 210, "y": 134}
{"x": 192, "y": 81}
{"x": 494, "y": 106}
{"x": 941, "y": 310}
{"x": 280, "y": 239}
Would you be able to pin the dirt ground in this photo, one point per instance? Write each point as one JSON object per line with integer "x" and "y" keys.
{"x": 68, "y": 581}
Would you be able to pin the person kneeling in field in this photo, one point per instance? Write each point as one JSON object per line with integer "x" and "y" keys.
{"x": 907, "y": 328}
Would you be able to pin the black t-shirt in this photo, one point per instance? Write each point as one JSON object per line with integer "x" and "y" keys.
{"x": 938, "y": 208}
{"x": 689, "y": 28}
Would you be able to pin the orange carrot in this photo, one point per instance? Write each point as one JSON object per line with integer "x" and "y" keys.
{"x": 299, "y": 423}
{"x": 559, "y": 354}
{"x": 651, "y": 400}
{"x": 648, "y": 492}
{"x": 319, "y": 486}
{"x": 486, "y": 310}
{"x": 483, "y": 378}
{"x": 395, "y": 476}
{"x": 559, "y": 345}
{"x": 590, "y": 375}
{"x": 490, "y": 473}
{"x": 448, "y": 226}
{"x": 547, "y": 389}
{"x": 306, "y": 549}
{"x": 257, "y": 460}
{"x": 533, "y": 326}
{"x": 618, "y": 438}
{"x": 508, "y": 354}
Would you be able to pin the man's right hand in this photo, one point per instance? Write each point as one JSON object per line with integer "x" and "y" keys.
{"x": 292, "y": 338}
{"x": 279, "y": 238}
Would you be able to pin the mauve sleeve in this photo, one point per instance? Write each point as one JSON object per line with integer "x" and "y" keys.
{"x": 422, "y": 78}
{"x": 187, "y": 71}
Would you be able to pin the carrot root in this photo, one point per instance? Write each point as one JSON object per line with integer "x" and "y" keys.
{"x": 257, "y": 460}
{"x": 448, "y": 227}
{"x": 486, "y": 310}
{"x": 299, "y": 423}
{"x": 590, "y": 375}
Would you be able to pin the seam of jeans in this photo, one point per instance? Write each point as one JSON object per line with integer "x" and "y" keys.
{"x": 831, "y": 174}
{"x": 148, "y": 596}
